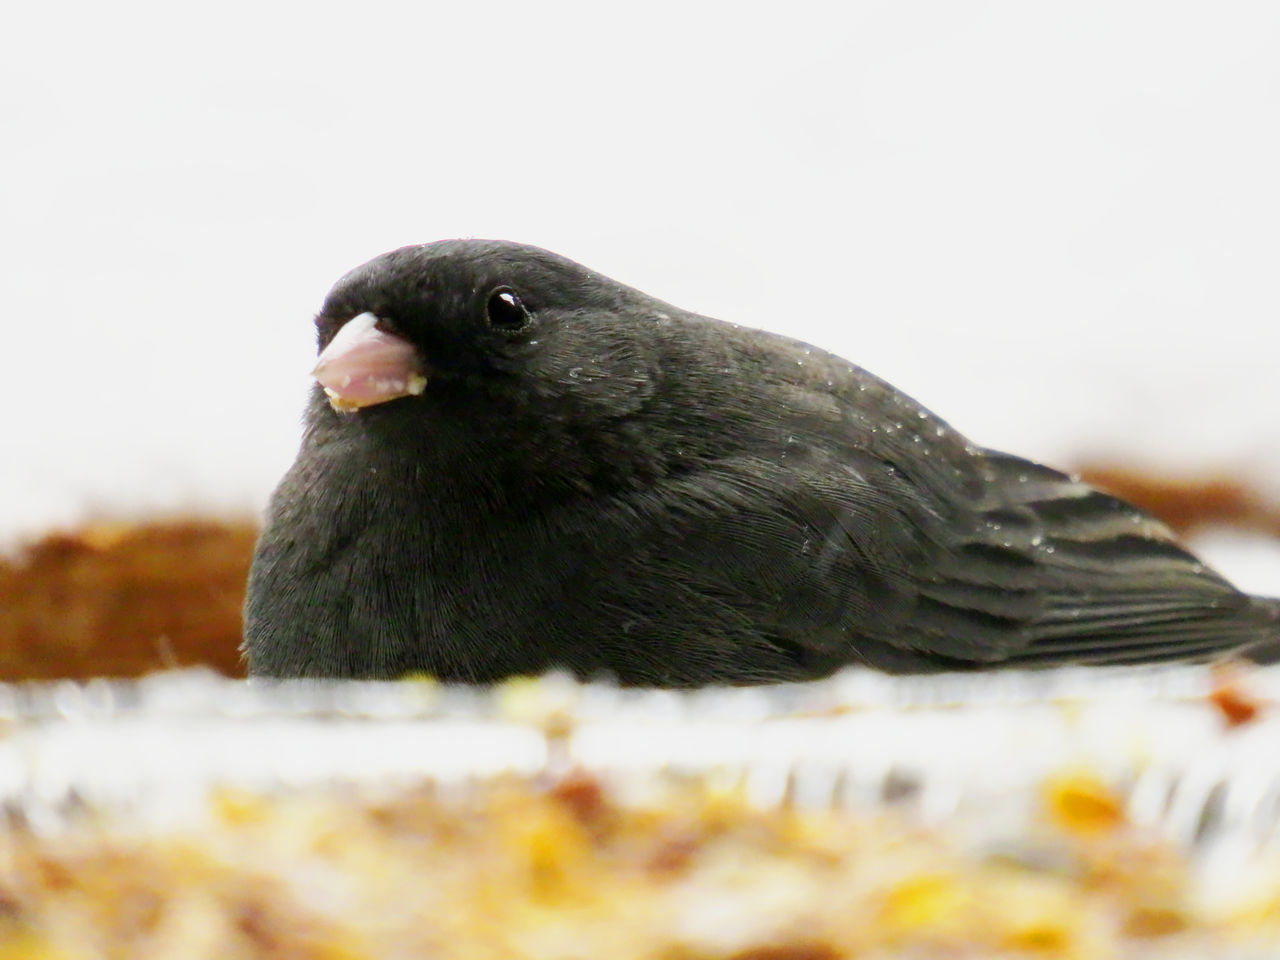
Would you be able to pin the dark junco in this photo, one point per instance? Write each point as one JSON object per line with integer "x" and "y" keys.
{"x": 512, "y": 463}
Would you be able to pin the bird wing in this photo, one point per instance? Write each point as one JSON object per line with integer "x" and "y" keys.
{"x": 847, "y": 558}
{"x": 1109, "y": 583}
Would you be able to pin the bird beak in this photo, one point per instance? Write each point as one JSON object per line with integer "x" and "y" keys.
{"x": 363, "y": 365}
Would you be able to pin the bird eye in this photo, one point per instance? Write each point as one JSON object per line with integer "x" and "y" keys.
{"x": 505, "y": 310}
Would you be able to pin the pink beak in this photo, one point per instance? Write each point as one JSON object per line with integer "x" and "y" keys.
{"x": 363, "y": 365}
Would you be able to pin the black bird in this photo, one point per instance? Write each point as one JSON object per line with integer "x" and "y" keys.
{"x": 521, "y": 464}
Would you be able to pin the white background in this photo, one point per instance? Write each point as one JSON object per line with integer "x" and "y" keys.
{"x": 1056, "y": 224}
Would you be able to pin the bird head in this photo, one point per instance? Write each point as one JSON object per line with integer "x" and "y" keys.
{"x": 502, "y": 323}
